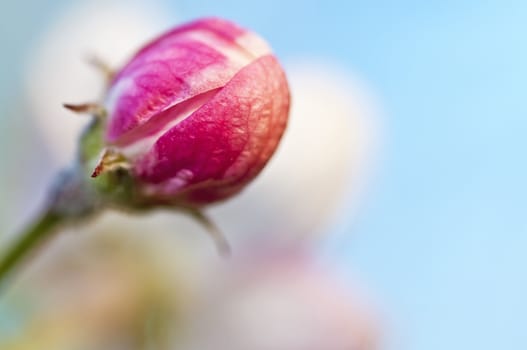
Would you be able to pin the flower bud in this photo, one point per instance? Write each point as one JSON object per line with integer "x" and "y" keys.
{"x": 197, "y": 112}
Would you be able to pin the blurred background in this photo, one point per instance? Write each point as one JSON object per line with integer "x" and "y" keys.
{"x": 394, "y": 207}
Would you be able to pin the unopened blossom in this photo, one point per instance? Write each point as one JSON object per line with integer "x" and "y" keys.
{"x": 197, "y": 113}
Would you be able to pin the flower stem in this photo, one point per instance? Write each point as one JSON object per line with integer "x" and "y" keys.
{"x": 27, "y": 242}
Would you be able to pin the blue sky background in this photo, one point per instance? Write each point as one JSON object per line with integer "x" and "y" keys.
{"x": 442, "y": 239}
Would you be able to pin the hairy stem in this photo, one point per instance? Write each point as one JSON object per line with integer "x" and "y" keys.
{"x": 69, "y": 200}
{"x": 27, "y": 242}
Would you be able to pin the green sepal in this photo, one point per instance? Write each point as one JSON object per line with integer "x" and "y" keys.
{"x": 115, "y": 187}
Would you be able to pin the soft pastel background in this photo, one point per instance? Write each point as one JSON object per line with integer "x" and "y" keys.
{"x": 440, "y": 236}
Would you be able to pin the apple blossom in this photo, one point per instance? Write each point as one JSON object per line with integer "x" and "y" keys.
{"x": 190, "y": 120}
{"x": 197, "y": 113}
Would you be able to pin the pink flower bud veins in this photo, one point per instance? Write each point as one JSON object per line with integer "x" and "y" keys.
{"x": 188, "y": 121}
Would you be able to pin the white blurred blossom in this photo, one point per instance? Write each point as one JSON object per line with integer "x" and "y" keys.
{"x": 283, "y": 300}
{"x": 322, "y": 162}
{"x": 120, "y": 284}
{"x": 57, "y": 66}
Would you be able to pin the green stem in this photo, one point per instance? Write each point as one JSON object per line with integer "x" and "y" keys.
{"x": 27, "y": 242}
{"x": 223, "y": 246}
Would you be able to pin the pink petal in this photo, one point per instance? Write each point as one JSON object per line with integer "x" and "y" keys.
{"x": 219, "y": 148}
{"x": 187, "y": 61}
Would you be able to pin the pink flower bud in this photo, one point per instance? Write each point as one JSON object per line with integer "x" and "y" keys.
{"x": 198, "y": 112}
